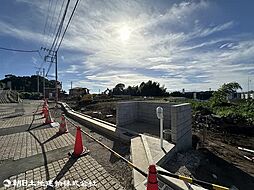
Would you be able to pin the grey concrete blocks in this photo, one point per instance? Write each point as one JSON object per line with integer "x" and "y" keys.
{"x": 126, "y": 113}
{"x": 177, "y": 117}
{"x": 181, "y": 124}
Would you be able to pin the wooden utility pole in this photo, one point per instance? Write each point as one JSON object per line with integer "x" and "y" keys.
{"x": 56, "y": 85}
{"x": 43, "y": 83}
{"x": 38, "y": 82}
{"x": 52, "y": 58}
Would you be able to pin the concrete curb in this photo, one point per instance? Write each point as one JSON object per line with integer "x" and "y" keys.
{"x": 110, "y": 129}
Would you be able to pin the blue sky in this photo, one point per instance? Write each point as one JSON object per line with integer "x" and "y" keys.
{"x": 194, "y": 45}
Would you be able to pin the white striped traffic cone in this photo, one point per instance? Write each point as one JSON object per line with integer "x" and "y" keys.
{"x": 63, "y": 126}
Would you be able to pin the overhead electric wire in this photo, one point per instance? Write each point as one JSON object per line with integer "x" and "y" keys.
{"x": 50, "y": 20}
{"x": 46, "y": 22}
{"x": 73, "y": 11}
{"x": 60, "y": 27}
{"x": 19, "y": 50}
{"x": 51, "y": 34}
{"x": 45, "y": 39}
{"x": 59, "y": 16}
{"x": 54, "y": 44}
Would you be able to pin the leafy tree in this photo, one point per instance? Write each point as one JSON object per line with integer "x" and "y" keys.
{"x": 220, "y": 96}
{"x": 144, "y": 89}
{"x": 176, "y": 94}
{"x": 119, "y": 89}
{"x": 27, "y": 83}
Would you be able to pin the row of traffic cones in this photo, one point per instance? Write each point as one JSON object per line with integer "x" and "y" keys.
{"x": 79, "y": 149}
{"x": 46, "y": 113}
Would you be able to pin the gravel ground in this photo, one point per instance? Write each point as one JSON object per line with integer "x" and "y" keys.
{"x": 116, "y": 167}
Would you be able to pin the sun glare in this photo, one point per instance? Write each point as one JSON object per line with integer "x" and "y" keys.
{"x": 124, "y": 33}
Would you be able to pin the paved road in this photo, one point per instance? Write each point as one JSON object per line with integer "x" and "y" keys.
{"x": 39, "y": 157}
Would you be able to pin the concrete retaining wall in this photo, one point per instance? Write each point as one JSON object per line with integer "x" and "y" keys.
{"x": 126, "y": 113}
{"x": 130, "y": 112}
{"x": 181, "y": 122}
{"x": 147, "y": 113}
{"x": 178, "y": 118}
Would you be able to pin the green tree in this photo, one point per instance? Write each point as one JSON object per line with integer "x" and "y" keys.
{"x": 119, "y": 89}
{"x": 220, "y": 96}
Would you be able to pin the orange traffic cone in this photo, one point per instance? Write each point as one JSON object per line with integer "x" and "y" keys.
{"x": 63, "y": 126}
{"x": 45, "y": 105}
{"x": 48, "y": 119}
{"x": 78, "y": 147}
{"x": 152, "y": 183}
{"x": 45, "y": 111}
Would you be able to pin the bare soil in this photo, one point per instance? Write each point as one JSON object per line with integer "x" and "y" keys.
{"x": 217, "y": 161}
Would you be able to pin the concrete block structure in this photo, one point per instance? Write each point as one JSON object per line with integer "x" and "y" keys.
{"x": 181, "y": 124}
{"x": 177, "y": 117}
{"x": 130, "y": 112}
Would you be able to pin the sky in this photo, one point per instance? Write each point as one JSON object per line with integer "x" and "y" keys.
{"x": 195, "y": 45}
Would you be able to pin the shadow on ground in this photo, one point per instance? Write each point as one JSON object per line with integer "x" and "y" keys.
{"x": 216, "y": 170}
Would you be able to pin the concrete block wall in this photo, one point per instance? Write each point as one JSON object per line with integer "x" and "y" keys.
{"x": 147, "y": 113}
{"x": 181, "y": 124}
{"x": 126, "y": 113}
{"x": 177, "y": 117}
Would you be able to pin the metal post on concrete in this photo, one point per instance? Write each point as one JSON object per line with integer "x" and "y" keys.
{"x": 159, "y": 112}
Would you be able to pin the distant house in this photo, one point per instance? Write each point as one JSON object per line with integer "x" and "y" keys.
{"x": 234, "y": 96}
{"x": 78, "y": 91}
{"x": 240, "y": 95}
{"x": 246, "y": 95}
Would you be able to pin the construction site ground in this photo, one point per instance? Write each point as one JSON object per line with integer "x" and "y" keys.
{"x": 217, "y": 161}
{"x": 32, "y": 151}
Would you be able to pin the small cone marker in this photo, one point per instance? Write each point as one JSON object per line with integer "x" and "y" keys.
{"x": 152, "y": 183}
{"x": 45, "y": 111}
{"x": 78, "y": 147}
{"x": 48, "y": 119}
{"x": 45, "y": 105}
{"x": 63, "y": 126}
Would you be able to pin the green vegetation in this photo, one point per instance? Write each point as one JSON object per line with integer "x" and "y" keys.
{"x": 30, "y": 95}
{"x": 238, "y": 112}
{"x": 220, "y": 96}
{"x": 26, "y": 83}
{"x": 149, "y": 88}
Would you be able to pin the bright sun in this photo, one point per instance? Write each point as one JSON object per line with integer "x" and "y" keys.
{"x": 124, "y": 33}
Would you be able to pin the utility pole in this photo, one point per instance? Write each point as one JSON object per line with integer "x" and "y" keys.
{"x": 52, "y": 58}
{"x": 56, "y": 77}
{"x": 38, "y": 82}
{"x": 71, "y": 84}
{"x": 43, "y": 83}
{"x": 249, "y": 87}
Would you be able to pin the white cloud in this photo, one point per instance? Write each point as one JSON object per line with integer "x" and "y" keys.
{"x": 171, "y": 45}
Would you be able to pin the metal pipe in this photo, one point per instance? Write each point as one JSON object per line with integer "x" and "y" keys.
{"x": 161, "y": 131}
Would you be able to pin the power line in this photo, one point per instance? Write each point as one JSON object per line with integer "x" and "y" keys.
{"x": 19, "y": 50}
{"x": 73, "y": 11}
{"x": 46, "y": 22}
{"x": 52, "y": 18}
{"x": 54, "y": 44}
{"x": 59, "y": 16}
